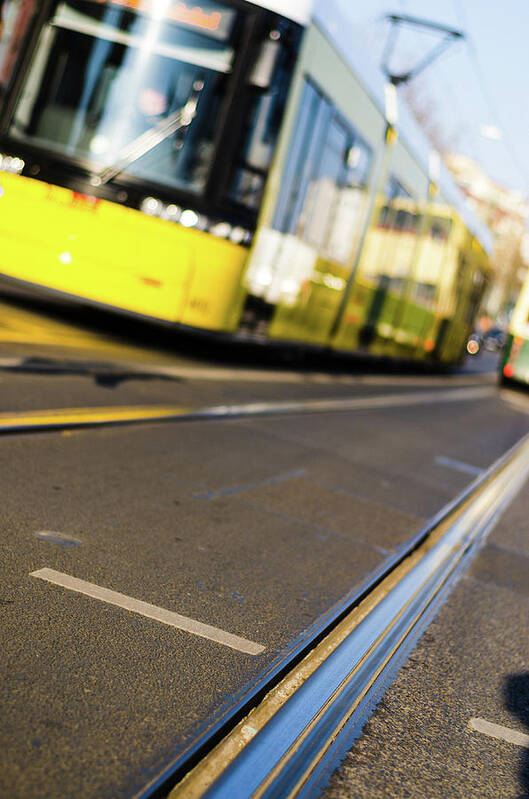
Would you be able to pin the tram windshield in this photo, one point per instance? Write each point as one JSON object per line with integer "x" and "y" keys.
{"x": 104, "y": 73}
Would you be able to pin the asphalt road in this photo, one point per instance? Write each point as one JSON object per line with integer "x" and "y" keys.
{"x": 455, "y": 723}
{"x": 252, "y": 526}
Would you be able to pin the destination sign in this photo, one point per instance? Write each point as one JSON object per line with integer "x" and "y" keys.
{"x": 209, "y": 17}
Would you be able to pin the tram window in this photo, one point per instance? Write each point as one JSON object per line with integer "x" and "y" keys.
{"x": 312, "y": 121}
{"x": 402, "y": 220}
{"x": 440, "y": 228}
{"x": 322, "y": 196}
{"x": 322, "y": 200}
{"x": 398, "y": 219}
{"x": 104, "y": 75}
{"x": 407, "y": 221}
{"x": 15, "y": 18}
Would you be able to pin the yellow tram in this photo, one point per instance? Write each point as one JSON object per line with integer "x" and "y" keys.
{"x": 231, "y": 167}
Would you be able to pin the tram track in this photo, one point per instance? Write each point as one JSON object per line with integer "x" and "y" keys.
{"x": 286, "y": 734}
{"x": 74, "y": 418}
{"x": 233, "y": 728}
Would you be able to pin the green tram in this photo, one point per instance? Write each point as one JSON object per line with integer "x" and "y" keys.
{"x": 232, "y": 167}
{"x": 515, "y": 358}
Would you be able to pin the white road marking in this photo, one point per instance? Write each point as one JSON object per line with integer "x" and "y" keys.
{"x": 151, "y": 611}
{"x": 459, "y": 466}
{"x": 499, "y": 732}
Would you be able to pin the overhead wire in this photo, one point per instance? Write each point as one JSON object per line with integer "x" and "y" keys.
{"x": 451, "y": 92}
{"x": 487, "y": 97}
{"x": 470, "y": 49}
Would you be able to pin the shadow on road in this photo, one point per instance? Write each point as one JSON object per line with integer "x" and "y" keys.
{"x": 517, "y": 702}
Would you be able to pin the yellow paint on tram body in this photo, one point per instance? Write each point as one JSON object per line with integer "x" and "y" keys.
{"x": 110, "y": 254}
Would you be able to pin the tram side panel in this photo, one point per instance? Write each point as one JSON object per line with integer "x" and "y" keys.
{"x": 401, "y": 262}
{"x": 63, "y": 241}
{"x": 314, "y": 212}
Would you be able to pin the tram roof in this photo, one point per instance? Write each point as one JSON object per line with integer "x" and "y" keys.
{"x": 332, "y": 22}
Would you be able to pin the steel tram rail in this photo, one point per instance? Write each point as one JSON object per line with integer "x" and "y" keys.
{"x": 285, "y": 733}
{"x": 73, "y": 418}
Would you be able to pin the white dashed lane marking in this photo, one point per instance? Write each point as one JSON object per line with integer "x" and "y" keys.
{"x": 499, "y": 732}
{"x": 151, "y": 611}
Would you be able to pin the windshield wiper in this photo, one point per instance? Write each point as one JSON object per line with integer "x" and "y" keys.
{"x": 147, "y": 141}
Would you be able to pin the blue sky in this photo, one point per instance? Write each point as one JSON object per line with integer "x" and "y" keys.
{"x": 481, "y": 82}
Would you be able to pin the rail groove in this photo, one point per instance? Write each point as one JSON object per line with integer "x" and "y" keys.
{"x": 280, "y": 738}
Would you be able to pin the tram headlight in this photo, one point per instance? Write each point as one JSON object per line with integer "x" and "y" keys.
{"x": 172, "y": 213}
{"x": 151, "y": 206}
{"x": 237, "y": 235}
{"x": 11, "y": 164}
{"x": 189, "y": 218}
{"x": 221, "y": 229}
